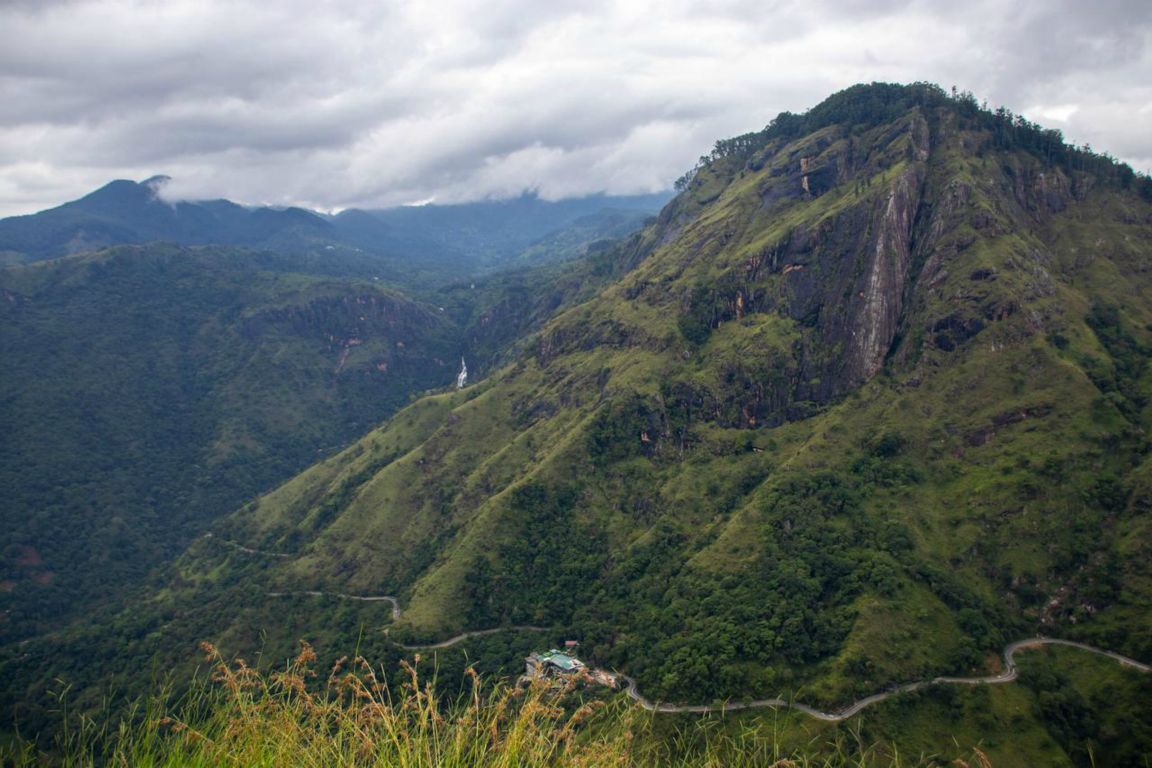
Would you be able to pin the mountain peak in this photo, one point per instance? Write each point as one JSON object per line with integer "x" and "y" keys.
{"x": 156, "y": 183}
{"x": 844, "y": 323}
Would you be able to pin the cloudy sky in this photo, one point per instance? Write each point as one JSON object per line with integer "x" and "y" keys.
{"x": 338, "y": 103}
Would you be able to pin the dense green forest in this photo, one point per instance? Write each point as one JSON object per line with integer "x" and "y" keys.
{"x": 150, "y": 389}
{"x": 862, "y": 106}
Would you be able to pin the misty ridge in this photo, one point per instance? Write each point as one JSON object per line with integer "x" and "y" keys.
{"x": 450, "y": 242}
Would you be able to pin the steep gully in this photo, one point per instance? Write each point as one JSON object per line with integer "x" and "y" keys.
{"x": 1009, "y": 674}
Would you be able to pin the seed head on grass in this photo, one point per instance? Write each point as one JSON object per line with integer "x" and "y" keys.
{"x": 981, "y": 759}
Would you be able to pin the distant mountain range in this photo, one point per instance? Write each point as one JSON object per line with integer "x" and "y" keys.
{"x": 406, "y": 244}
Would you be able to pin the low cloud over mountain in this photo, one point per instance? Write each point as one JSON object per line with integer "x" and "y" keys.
{"x": 343, "y": 103}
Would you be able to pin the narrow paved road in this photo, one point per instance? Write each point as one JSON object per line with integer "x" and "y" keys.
{"x": 244, "y": 549}
{"x": 461, "y": 637}
{"x": 396, "y": 616}
{"x": 1008, "y": 675}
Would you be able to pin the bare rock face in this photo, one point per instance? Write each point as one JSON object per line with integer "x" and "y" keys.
{"x": 877, "y": 315}
{"x": 842, "y": 272}
{"x": 848, "y": 277}
{"x": 873, "y": 243}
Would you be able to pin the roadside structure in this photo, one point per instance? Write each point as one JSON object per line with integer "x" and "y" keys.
{"x": 552, "y": 664}
{"x": 561, "y": 665}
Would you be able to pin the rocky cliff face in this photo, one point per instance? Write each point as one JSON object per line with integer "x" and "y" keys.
{"x": 877, "y": 315}
{"x": 824, "y": 231}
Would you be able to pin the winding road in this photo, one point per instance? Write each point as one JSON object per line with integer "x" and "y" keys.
{"x": 464, "y": 636}
{"x": 244, "y": 549}
{"x": 396, "y": 615}
{"x": 1009, "y": 674}
{"x": 342, "y": 596}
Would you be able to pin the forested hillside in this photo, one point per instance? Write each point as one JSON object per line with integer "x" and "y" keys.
{"x": 871, "y": 363}
{"x": 150, "y": 389}
{"x": 869, "y": 400}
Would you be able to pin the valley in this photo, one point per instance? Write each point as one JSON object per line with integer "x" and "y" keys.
{"x": 150, "y": 389}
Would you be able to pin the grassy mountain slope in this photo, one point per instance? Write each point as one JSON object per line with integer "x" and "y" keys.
{"x": 149, "y": 390}
{"x": 947, "y": 343}
{"x": 872, "y": 400}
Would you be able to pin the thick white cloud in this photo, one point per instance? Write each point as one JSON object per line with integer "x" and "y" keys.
{"x": 334, "y": 103}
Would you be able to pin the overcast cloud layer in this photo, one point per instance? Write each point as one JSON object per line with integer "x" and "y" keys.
{"x": 339, "y": 103}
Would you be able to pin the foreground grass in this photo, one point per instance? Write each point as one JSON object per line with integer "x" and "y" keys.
{"x": 244, "y": 718}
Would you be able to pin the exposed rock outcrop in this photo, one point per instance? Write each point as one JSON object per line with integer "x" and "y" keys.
{"x": 878, "y": 313}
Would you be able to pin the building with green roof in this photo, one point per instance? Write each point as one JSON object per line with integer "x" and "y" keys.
{"x": 554, "y": 662}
